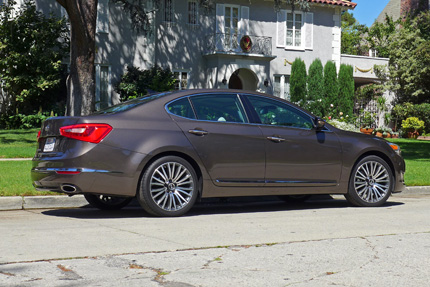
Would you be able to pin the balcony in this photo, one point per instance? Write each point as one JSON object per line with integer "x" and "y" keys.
{"x": 230, "y": 45}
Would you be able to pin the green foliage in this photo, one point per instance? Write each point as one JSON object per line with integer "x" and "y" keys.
{"x": 136, "y": 82}
{"x": 412, "y": 124}
{"x": 32, "y": 47}
{"x": 408, "y": 48}
{"x": 367, "y": 120}
{"x": 315, "y": 88}
{"x": 331, "y": 88}
{"x": 20, "y": 121}
{"x": 378, "y": 36}
{"x": 301, "y": 4}
{"x": 352, "y": 35}
{"x": 298, "y": 82}
{"x": 346, "y": 90}
{"x": 366, "y": 93}
{"x": 402, "y": 111}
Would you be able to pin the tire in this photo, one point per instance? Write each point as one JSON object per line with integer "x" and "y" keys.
{"x": 371, "y": 182}
{"x": 169, "y": 187}
{"x": 107, "y": 202}
{"x": 299, "y": 198}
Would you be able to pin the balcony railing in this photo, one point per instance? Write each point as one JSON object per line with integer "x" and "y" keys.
{"x": 230, "y": 44}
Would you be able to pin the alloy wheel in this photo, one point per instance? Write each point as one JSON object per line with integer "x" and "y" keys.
{"x": 171, "y": 186}
{"x": 372, "y": 181}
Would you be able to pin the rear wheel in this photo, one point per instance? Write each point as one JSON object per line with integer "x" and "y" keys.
{"x": 107, "y": 202}
{"x": 169, "y": 187}
{"x": 371, "y": 182}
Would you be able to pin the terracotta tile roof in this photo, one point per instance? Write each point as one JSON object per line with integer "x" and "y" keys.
{"x": 344, "y": 3}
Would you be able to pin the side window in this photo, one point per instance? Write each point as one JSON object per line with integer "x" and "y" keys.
{"x": 273, "y": 112}
{"x": 219, "y": 108}
{"x": 181, "y": 108}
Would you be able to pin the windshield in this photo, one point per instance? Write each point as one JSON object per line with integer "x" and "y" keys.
{"x": 131, "y": 104}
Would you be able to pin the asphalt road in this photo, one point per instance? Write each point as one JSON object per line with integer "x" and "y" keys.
{"x": 324, "y": 242}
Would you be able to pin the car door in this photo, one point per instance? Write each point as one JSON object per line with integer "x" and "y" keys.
{"x": 296, "y": 153}
{"x": 231, "y": 149}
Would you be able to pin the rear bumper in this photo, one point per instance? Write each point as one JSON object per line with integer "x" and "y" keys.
{"x": 90, "y": 172}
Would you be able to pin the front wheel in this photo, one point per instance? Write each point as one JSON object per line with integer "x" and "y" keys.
{"x": 371, "y": 182}
{"x": 169, "y": 187}
{"x": 107, "y": 202}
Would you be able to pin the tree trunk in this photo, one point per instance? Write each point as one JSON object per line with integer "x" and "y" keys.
{"x": 81, "y": 81}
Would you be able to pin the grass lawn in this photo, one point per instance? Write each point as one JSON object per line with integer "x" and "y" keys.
{"x": 15, "y": 179}
{"x": 417, "y": 157}
{"x": 18, "y": 143}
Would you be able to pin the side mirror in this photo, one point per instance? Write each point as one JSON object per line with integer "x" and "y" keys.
{"x": 319, "y": 123}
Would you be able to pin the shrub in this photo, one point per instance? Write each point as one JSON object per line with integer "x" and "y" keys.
{"x": 136, "y": 82}
{"x": 315, "y": 88}
{"x": 20, "y": 121}
{"x": 298, "y": 82}
{"x": 412, "y": 124}
{"x": 403, "y": 111}
{"x": 331, "y": 89}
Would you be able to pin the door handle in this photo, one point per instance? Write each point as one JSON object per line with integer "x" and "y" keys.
{"x": 198, "y": 132}
{"x": 276, "y": 139}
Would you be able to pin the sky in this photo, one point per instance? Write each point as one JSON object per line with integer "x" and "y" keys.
{"x": 367, "y": 11}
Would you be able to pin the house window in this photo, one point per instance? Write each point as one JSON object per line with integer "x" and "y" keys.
{"x": 103, "y": 86}
{"x": 168, "y": 11}
{"x": 193, "y": 12}
{"x": 294, "y": 29}
{"x": 281, "y": 86}
{"x": 181, "y": 80}
{"x": 231, "y": 26}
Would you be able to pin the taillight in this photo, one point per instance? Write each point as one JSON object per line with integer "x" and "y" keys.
{"x": 93, "y": 133}
{"x": 38, "y": 135}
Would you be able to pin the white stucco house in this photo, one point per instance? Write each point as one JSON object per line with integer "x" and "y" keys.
{"x": 237, "y": 44}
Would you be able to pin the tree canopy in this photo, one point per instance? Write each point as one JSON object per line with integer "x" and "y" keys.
{"x": 408, "y": 48}
{"x": 352, "y": 35}
{"x": 32, "y": 47}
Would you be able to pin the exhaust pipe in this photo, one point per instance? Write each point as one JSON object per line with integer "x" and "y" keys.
{"x": 68, "y": 188}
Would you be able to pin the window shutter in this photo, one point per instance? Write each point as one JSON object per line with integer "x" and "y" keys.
{"x": 244, "y": 21}
{"x": 309, "y": 31}
{"x": 220, "y": 18}
{"x": 281, "y": 27}
{"x": 103, "y": 16}
{"x": 219, "y": 36}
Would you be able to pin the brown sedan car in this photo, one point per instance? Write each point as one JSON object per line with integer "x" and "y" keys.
{"x": 169, "y": 149}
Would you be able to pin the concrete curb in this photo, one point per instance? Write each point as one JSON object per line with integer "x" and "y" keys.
{"x": 39, "y": 202}
{"x": 65, "y": 201}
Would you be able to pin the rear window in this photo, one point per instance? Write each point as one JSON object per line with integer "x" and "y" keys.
{"x": 131, "y": 104}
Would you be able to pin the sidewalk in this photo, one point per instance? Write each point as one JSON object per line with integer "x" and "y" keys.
{"x": 65, "y": 201}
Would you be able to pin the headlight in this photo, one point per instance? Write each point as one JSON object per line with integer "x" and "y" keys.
{"x": 395, "y": 148}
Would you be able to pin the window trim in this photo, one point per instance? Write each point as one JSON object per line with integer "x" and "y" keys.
{"x": 172, "y": 12}
{"x": 180, "y": 79}
{"x": 98, "y": 84}
{"x": 196, "y": 16}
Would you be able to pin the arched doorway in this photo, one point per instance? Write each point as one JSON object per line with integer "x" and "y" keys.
{"x": 243, "y": 79}
{"x": 235, "y": 82}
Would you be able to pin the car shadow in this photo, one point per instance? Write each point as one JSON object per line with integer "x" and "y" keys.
{"x": 215, "y": 206}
